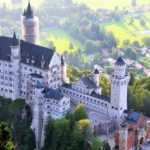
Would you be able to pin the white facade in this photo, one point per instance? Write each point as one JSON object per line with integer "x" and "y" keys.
{"x": 38, "y": 75}
{"x": 84, "y": 91}
{"x": 44, "y": 102}
{"x": 119, "y": 85}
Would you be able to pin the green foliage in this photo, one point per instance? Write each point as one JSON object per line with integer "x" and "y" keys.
{"x": 80, "y": 113}
{"x": 70, "y": 134}
{"x": 105, "y": 83}
{"x": 139, "y": 96}
{"x": 75, "y": 74}
{"x": 146, "y": 41}
{"x": 5, "y": 138}
{"x": 132, "y": 79}
{"x": 106, "y": 146}
{"x": 96, "y": 145}
{"x": 81, "y": 135}
{"x": 18, "y": 116}
{"x": 145, "y": 61}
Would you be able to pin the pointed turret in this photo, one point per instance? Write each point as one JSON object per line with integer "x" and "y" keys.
{"x": 96, "y": 77}
{"x": 15, "y": 41}
{"x": 24, "y": 12}
{"x": 96, "y": 71}
{"x": 62, "y": 60}
{"x": 63, "y": 69}
{"x": 29, "y": 12}
{"x": 120, "y": 61}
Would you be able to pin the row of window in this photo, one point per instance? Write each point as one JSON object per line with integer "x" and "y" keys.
{"x": 54, "y": 108}
{"x": 85, "y": 97}
{"x": 55, "y": 114}
{"x": 7, "y": 84}
{"x": 7, "y": 78}
{"x": 6, "y": 90}
{"x": 9, "y": 65}
{"x": 115, "y": 108}
{"x": 92, "y": 106}
{"x": 80, "y": 89}
{"x": 54, "y": 102}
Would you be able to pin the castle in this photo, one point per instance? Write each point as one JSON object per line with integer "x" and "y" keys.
{"x": 38, "y": 74}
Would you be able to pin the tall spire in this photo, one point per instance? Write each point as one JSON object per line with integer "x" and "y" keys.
{"x": 120, "y": 61}
{"x": 96, "y": 71}
{"x": 29, "y": 12}
{"x": 62, "y": 60}
{"x": 15, "y": 41}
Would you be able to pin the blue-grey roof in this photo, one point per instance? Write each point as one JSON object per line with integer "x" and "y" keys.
{"x": 120, "y": 61}
{"x": 52, "y": 93}
{"x": 28, "y": 13}
{"x": 66, "y": 85}
{"x": 35, "y": 75}
{"x": 88, "y": 82}
{"x": 28, "y": 50}
{"x": 102, "y": 97}
{"x": 5, "y": 51}
{"x": 133, "y": 117}
{"x": 15, "y": 41}
{"x": 40, "y": 86}
{"x": 62, "y": 60}
{"x": 96, "y": 71}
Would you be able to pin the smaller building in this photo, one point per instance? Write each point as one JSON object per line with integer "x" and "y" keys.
{"x": 134, "y": 132}
{"x": 45, "y": 102}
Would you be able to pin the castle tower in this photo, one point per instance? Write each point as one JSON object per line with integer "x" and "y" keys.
{"x": 123, "y": 137}
{"x": 96, "y": 77}
{"x": 35, "y": 85}
{"x": 15, "y": 59}
{"x": 30, "y": 26}
{"x": 63, "y": 70}
{"x": 119, "y": 84}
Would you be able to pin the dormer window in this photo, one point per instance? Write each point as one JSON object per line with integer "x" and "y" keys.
{"x": 33, "y": 60}
{"x": 42, "y": 62}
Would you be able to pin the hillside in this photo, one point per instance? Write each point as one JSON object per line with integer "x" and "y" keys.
{"x": 60, "y": 39}
{"x": 109, "y": 4}
{"x": 123, "y": 30}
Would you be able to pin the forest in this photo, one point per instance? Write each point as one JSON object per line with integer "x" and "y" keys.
{"x": 81, "y": 35}
{"x": 17, "y": 117}
{"x": 74, "y": 132}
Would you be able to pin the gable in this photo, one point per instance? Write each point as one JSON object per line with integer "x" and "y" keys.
{"x": 86, "y": 82}
{"x": 42, "y": 56}
{"x": 80, "y": 83}
{"x": 55, "y": 60}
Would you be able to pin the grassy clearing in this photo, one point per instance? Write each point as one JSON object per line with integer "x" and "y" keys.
{"x": 60, "y": 38}
{"x": 110, "y": 4}
{"x": 145, "y": 61}
{"x": 122, "y": 30}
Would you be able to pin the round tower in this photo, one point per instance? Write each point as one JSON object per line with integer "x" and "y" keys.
{"x": 63, "y": 70}
{"x": 119, "y": 85}
{"x": 96, "y": 77}
{"x": 123, "y": 137}
{"x": 120, "y": 68}
{"x": 30, "y": 26}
